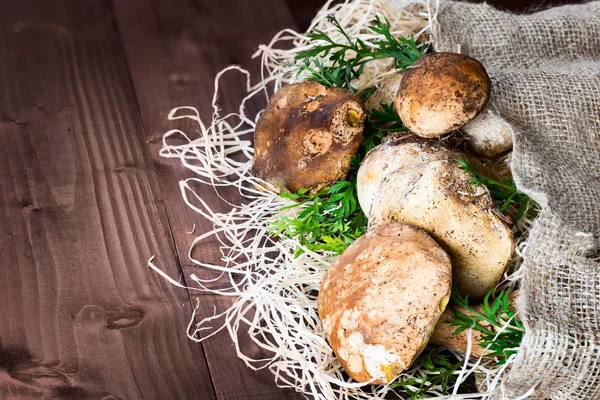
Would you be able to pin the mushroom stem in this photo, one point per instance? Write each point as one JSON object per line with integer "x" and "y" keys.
{"x": 443, "y": 333}
{"x": 488, "y": 135}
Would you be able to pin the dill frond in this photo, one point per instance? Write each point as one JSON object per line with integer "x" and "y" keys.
{"x": 347, "y": 60}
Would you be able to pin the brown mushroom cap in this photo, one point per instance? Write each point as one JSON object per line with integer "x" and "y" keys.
{"x": 380, "y": 300}
{"x": 307, "y": 135}
{"x": 441, "y": 93}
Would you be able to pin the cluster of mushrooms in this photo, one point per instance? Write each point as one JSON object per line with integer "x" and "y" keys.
{"x": 384, "y": 298}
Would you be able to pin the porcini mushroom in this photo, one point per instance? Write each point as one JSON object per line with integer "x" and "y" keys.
{"x": 380, "y": 300}
{"x": 438, "y": 197}
{"x": 488, "y": 135}
{"x": 397, "y": 152}
{"x": 307, "y": 135}
{"x": 441, "y": 93}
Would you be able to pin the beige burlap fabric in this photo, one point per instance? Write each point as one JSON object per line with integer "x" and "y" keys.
{"x": 545, "y": 69}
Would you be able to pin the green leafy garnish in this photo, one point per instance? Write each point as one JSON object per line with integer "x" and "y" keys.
{"x": 504, "y": 193}
{"x": 347, "y": 60}
{"x": 437, "y": 368}
{"x": 387, "y": 120}
{"x": 493, "y": 316}
{"x": 332, "y": 219}
{"x": 327, "y": 221}
{"x": 366, "y": 93}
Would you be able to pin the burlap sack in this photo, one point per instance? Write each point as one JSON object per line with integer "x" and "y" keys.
{"x": 545, "y": 69}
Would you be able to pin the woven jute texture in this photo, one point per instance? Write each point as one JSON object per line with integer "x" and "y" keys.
{"x": 545, "y": 69}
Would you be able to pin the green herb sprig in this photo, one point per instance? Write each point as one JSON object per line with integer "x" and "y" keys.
{"x": 437, "y": 367}
{"x": 387, "y": 120}
{"x": 327, "y": 221}
{"x": 347, "y": 59}
{"x": 495, "y": 314}
{"x": 504, "y": 193}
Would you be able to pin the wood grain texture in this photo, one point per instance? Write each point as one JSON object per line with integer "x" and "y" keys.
{"x": 304, "y": 10}
{"x": 174, "y": 50}
{"x": 81, "y": 315}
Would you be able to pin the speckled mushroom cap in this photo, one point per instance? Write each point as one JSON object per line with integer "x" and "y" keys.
{"x": 439, "y": 197}
{"x": 405, "y": 151}
{"x": 441, "y": 93}
{"x": 380, "y": 300}
{"x": 307, "y": 136}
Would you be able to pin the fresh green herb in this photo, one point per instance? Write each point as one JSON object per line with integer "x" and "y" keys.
{"x": 437, "y": 369}
{"x": 377, "y": 127}
{"x": 347, "y": 60}
{"x": 331, "y": 220}
{"x": 366, "y": 93}
{"x": 327, "y": 221}
{"x": 504, "y": 193}
{"x": 387, "y": 120}
{"x": 493, "y": 316}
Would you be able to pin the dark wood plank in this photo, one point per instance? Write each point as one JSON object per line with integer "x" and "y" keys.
{"x": 81, "y": 315}
{"x": 304, "y": 10}
{"x": 174, "y": 50}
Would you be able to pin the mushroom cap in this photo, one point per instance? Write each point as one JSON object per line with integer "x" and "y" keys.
{"x": 439, "y": 198}
{"x": 441, "y": 93}
{"x": 307, "y": 135}
{"x": 380, "y": 300}
{"x": 396, "y": 153}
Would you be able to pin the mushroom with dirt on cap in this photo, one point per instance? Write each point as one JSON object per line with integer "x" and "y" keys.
{"x": 380, "y": 300}
{"x": 307, "y": 136}
{"x": 399, "y": 151}
{"x": 441, "y": 93}
{"x": 439, "y": 197}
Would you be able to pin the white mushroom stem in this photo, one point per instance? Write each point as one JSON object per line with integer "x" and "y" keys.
{"x": 385, "y": 93}
{"x": 488, "y": 134}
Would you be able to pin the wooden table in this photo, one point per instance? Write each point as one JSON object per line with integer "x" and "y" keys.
{"x": 85, "y": 200}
